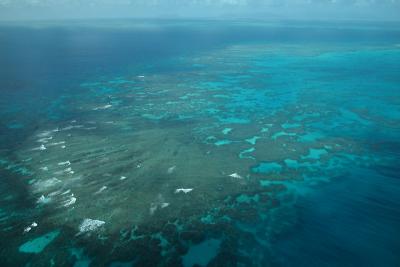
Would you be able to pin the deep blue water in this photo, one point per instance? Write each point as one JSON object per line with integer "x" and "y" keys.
{"x": 287, "y": 133}
{"x": 346, "y": 224}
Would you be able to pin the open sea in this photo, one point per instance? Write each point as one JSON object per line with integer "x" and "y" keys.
{"x": 199, "y": 143}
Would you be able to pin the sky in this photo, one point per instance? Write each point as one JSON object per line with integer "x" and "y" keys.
{"x": 260, "y": 9}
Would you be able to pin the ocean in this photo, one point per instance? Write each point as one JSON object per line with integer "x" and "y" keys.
{"x": 199, "y": 143}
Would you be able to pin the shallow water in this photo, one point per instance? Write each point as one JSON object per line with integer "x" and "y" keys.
{"x": 173, "y": 143}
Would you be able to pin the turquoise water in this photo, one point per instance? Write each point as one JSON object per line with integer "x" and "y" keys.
{"x": 176, "y": 143}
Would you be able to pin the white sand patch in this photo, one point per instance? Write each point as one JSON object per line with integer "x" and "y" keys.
{"x": 55, "y": 193}
{"x": 30, "y": 227}
{"x": 183, "y": 190}
{"x": 70, "y": 201}
{"x": 153, "y": 208}
{"x": 44, "y": 139}
{"x": 89, "y": 225}
{"x": 164, "y": 205}
{"x": 171, "y": 169}
{"x": 44, "y": 134}
{"x": 70, "y": 127}
{"x": 43, "y": 200}
{"x": 56, "y": 143}
{"x": 102, "y": 107}
{"x": 66, "y": 192}
{"x": 67, "y": 170}
{"x": 42, "y": 185}
{"x": 235, "y": 175}
{"x": 42, "y": 147}
{"x": 101, "y": 189}
{"x": 159, "y": 203}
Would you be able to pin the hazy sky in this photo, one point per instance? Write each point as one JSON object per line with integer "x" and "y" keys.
{"x": 284, "y": 9}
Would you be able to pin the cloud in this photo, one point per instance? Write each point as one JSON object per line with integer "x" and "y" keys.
{"x": 335, "y": 9}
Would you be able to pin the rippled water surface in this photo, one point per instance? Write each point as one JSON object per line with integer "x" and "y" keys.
{"x": 207, "y": 143}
